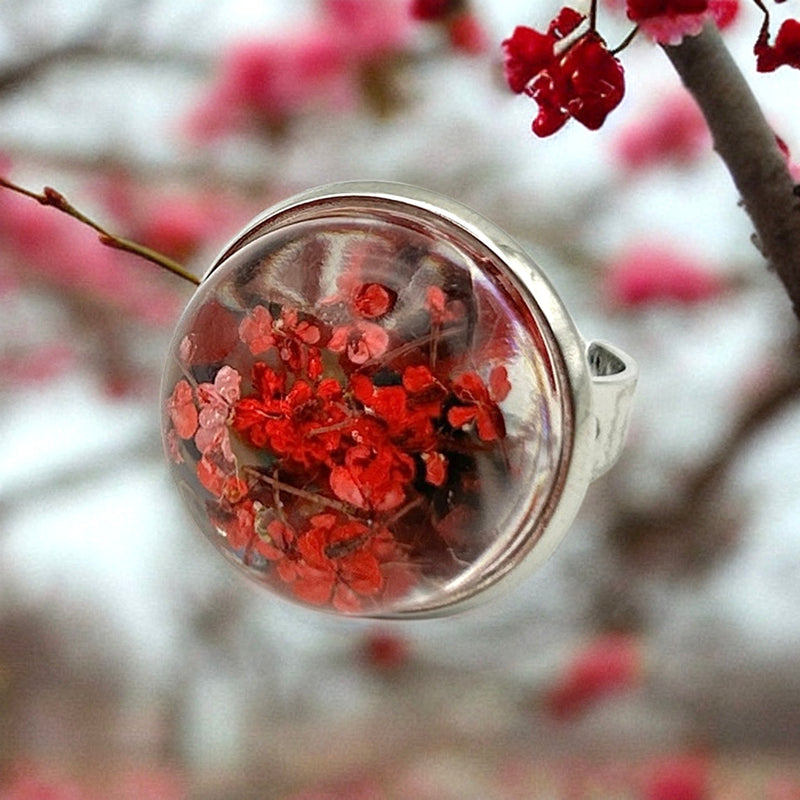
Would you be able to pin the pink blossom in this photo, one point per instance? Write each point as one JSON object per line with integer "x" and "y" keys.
{"x": 27, "y": 783}
{"x": 671, "y": 30}
{"x": 361, "y": 341}
{"x": 607, "y": 665}
{"x": 368, "y": 29}
{"x": 724, "y": 12}
{"x": 651, "y": 273}
{"x": 36, "y": 364}
{"x": 154, "y": 783}
{"x": 673, "y": 132}
{"x": 683, "y": 777}
{"x": 263, "y": 84}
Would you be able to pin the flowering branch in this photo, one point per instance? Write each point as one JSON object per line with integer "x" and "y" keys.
{"x": 748, "y": 146}
{"x": 54, "y": 199}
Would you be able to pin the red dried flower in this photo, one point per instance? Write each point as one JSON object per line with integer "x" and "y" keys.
{"x": 373, "y": 300}
{"x": 373, "y": 478}
{"x": 338, "y": 565}
{"x": 785, "y": 51}
{"x": 435, "y": 468}
{"x": 480, "y": 404}
{"x": 332, "y": 486}
{"x": 300, "y": 426}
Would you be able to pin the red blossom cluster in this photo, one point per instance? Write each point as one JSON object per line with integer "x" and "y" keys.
{"x": 570, "y": 72}
{"x": 566, "y": 74}
{"x": 785, "y": 51}
{"x": 339, "y": 454}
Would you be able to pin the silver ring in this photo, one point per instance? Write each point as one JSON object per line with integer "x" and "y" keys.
{"x": 377, "y": 405}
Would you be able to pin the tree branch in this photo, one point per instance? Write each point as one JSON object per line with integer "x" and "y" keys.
{"x": 50, "y": 197}
{"x": 747, "y": 145}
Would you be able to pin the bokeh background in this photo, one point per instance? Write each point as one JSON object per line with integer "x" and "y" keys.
{"x": 654, "y": 656}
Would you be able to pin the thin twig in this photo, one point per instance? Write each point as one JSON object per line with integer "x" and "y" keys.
{"x": 54, "y": 199}
{"x": 747, "y": 145}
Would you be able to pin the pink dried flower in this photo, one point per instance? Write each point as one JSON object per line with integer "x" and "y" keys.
{"x": 652, "y": 273}
{"x": 360, "y": 341}
{"x": 182, "y": 410}
{"x": 255, "y": 330}
{"x": 215, "y": 403}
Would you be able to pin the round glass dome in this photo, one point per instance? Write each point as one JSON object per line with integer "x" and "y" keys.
{"x": 363, "y": 410}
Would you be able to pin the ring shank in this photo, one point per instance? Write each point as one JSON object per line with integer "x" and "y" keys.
{"x": 613, "y": 380}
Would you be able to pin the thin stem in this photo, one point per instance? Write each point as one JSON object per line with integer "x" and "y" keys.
{"x": 625, "y": 42}
{"x": 312, "y": 497}
{"x": 54, "y": 199}
{"x": 748, "y": 146}
{"x": 593, "y": 16}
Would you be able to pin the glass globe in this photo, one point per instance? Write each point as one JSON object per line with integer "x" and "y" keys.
{"x": 364, "y": 409}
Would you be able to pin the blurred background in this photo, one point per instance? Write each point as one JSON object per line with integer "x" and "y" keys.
{"x": 654, "y": 656}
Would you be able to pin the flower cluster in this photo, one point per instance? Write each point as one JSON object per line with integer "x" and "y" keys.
{"x": 568, "y": 75}
{"x": 571, "y": 73}
{"x": 340, "y": 460}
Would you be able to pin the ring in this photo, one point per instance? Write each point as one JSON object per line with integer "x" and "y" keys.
{"x": 376, "y": 404}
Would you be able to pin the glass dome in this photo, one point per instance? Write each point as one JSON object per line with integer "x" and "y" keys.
{"x": 364, "y": 411}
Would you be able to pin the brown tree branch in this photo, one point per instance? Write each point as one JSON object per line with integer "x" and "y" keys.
{"x": 747, "y": 145}
{"x": 54, "y": 199}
